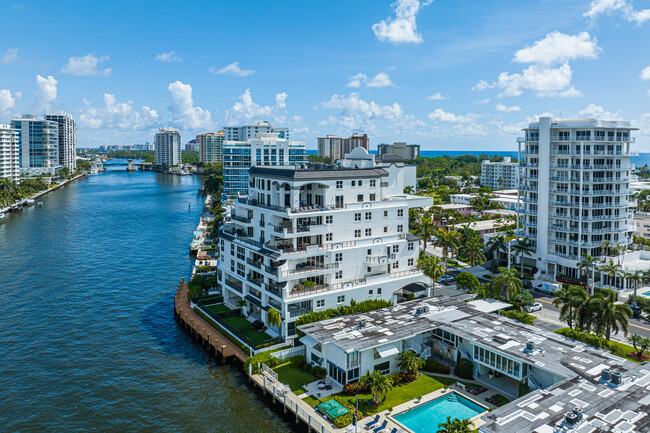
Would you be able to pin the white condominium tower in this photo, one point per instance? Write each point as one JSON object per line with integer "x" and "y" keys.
{"x": 211, "y": 147}
{"x": 167, "y": 147}
{"x": 243, "y": 133}
{"x": 500, "y": 175}
{"x": 38, "y": 144}
{"x": 575, "y": 193}
{"x": 316, "y": 236}
{"x": 67, "y": 138}
{"x": 264, "y": 149}
{"x": 9, "y": 154}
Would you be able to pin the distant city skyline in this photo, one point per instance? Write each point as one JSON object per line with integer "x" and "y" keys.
{"x": 444, "y": 75}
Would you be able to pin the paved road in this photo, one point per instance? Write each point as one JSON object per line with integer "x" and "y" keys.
{"x": 550, "y": 316}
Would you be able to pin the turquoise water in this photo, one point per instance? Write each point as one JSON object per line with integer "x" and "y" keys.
{"x": 647, "y": 293}
{"x": 426, "y": 417}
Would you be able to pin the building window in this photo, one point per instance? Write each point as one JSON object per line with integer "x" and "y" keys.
{"x": 368, "y": 216}
{"x": 396, "y": 264}
{"x": 339, "y": 184}
{"x": 410, "y": 246}
{"x": 379, "y": 290}
{"x": 353, "y": 183}
{"x": 410, "y": 262}
{"x": 241, "y": 253}
{"x": 368, "y": 232}
{"x": 328, "y": 237}
{"x": 338, "y": 275}
{"x": 338, "y": 257}
{"x": 400, "y": 228}
{"x": 328, "y": 219}
{"x": 320, "y": 303}
{"x": 340, "y": 299}
{"x": 370, "y": 292}
{"x": 232, "y": 265}
{"x": 357, "y": 216}
{"x": 240, "y": 269}
{"x": 369, "y": 251}
{"x": 372, "y": 197}
{"x": 373, "y": 183}
{"x": 360, "y": 198}
{"x": 385, "y": 229}
{"x": 385, "y": 213}
{"x": 357, "y": 233}
{"x": 400, "y": 212}
{"x": 360, "y": 183}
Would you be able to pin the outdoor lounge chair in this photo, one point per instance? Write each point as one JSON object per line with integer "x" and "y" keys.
{"x": 372, "y": 423}
{"x": 381, "y": 427}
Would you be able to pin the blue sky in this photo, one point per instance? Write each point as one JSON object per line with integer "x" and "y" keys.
{"x": 455, "y": 75}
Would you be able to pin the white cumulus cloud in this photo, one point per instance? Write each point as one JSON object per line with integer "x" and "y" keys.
{"x": 380, "y": 80}
{"x": 86, "y": 65}
{"x": 7, "y": 101}
{"x": 11, "y": 56}
{"x": 504, "y": 108}
{"x": 402, "y": 28}
{"x": 168, "y": 57}
{"x": 558, "y": 47}
{"x": 45, "y": 92}
{"x": 440, "y": 115}
{"x": 231, "y": 69}
{"x": 246, "y": 110}
{"x": 115, "y": 114}
{"x": 598, "y": 112}
{"x": 535, "y": 78}
{"x": 624, "y": 7}
{"x": 437, "y": 97}
{"x": 482, "y": 85}
{"x": 356, "y": 113}
{"x": 183, "y": 109}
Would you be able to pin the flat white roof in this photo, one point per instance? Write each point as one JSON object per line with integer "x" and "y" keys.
{"x": 489, "y": 305}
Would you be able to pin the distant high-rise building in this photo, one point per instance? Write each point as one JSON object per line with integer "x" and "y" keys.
{"x": 407, "y": 151}
{"x": 500, "y": 175}
{"x": 67, "y": 138}
{"x": 265, "y": 149}
{"x": 210, "y": 147}
{"x": 192, "y": 145}
{"x": 38, "y": 142}
{"x": 9, "y": 153}
{"x": 243, "y": 133}
{"x": 167, "y": 147}
{"x": 336, "y": 148}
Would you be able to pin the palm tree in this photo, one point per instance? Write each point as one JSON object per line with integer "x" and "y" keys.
{"x": 378, "y": 384}
{"x": 274, "y": 318}
{"x": 424, "y": 228}
{"x": 640, "y": 344}
{"x": 569, "y": 300}
{"x": 581, "y": 302}
{"x": 456, "y": 426}
{"x": 447, "y": 240}
{"x": 522, "y": 249}
{"x": 241, "y": 304}
{"x": 635, "y": 278}
{"x": 507, "y": 283}
{"x": 589, "y": 263}
{"x": 611, "y": 269}
{"x": 431, "y": 267}
{"x": 496, "y": 246}
{"x": 471, "y": 251}
{"x": 409, "y": 362}
{"x": 607, "y": 314}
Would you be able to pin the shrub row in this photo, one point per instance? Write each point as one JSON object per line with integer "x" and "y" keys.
{"x": 521, "y": 316}
{"x": 585, "y": 337}
{"x": 301, "y": 363}
{"x": 265, "y": 358}
{"x": 354, "y": 307}
{"x": 433, "y": 367}
{"x": 464, "y": 369}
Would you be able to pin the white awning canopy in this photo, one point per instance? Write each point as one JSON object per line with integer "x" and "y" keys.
{"x": 308, "y": 341}
{"x": 386, "y": 351}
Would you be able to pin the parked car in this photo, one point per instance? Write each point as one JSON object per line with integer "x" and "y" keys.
{"x": 535, "y": 307}
{"x": 527, "y": 284}
{"x": 448, "y": 278}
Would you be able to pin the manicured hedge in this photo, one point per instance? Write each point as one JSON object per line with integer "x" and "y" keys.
{"x": 585, "y": 337}
{"x": 464, "y": 369}
{"x": 344, "y": 420}
{"x": 521, "y": 316}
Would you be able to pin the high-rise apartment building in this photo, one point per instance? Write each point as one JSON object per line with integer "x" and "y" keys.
{"x": 9, "y": 153}
{"x": 167, "y": 147}
{"x": 500, "y": 175}
{"x": 336, "y": 148}
{"x": 265, "y": 149}
{"x": 317, "y": 236}
{"x": 243, "y": 133}
{"x": 211, "y": 147}
{"x": 574, "y": 190}
{"x": 67, "y": 138}
{"x": 407, "y": 151}
{"x": 38, "y": 142}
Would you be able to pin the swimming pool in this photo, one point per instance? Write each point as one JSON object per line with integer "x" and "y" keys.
{"x": 426, "y": 417}
{"x": 647, "y": 294}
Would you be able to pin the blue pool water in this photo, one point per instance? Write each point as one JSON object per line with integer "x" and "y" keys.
{"x": 426, "y": 417}
{"x": 647, "y": 293}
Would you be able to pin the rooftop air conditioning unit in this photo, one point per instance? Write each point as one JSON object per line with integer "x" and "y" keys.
{"x": 617, "y": 378}
{"x": 362, "y": 323}
{"x": 606, "y": 375}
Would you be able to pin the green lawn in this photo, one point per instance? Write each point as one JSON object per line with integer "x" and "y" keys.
{"x": 311, "y": 400}
{"x": 246, "y": 328}
{"x": 219, "y": 308}
{"x": 627, "y": 348}
{"x": 294, "y": 377}
{"x": 398, "y": 395}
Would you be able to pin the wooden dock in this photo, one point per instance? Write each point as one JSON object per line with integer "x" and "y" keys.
{"x": 209, "y": 337}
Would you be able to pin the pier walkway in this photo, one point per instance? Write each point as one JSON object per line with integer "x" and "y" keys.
{"x": 203, "y": 331}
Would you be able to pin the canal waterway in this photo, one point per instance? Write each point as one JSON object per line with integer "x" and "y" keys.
{"x": 87, "y": 336}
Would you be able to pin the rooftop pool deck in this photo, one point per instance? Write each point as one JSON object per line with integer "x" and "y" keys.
{"x": 426, "y": 417}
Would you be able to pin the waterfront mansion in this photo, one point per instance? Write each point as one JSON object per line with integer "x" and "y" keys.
{"x": 316, "y": 236}
{"x": 575, "y": 387}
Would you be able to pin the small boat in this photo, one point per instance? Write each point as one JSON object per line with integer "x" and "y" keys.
{"x": 40, "y": 203}
{"x": 2, "y": 215}
{"x": 29, "y": 200}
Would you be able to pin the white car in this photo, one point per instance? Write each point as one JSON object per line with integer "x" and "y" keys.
{"x": 535, "y": 307}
